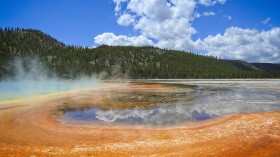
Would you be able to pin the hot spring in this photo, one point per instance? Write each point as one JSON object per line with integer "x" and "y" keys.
{"x": 158, "y": 108}
{"x": 20, "y": 89}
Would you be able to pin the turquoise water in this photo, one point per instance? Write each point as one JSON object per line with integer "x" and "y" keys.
{"x": 11, "y": 90}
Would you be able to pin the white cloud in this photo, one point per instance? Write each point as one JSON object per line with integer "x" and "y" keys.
{"x": 168, "y": 29}
{"x": 266, "y": 21}
{"x": 125, "y": 20}
{"x": 228, "y": 17}
{"x": 161, "y": 20}
{"x": 209, "y": 13}
{"x": 245, "y": 44}
{"x": 196, "y": 15}
{"x": 118, "y": 4}
{"x": 168, "y": 24}
{"x": 154, "y": 9}
{"x": 211, "y": 2}
{"x": 112, "y": 39}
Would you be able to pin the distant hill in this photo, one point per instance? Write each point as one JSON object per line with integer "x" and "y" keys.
{"x": 268, "y": 67}
{"x": 119, "y": 61}
{"x": 242, "y": 65}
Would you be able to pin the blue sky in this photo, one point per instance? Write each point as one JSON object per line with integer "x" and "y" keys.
{"x": 204, "y": 26}
{"x": 244, "y": 13}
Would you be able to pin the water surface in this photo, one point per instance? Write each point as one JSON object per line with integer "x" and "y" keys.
{"x": 164, "y": 109}
{"x": 17, "y": 89}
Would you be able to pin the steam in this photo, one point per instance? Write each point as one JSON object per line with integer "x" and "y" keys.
{"x": 28, "y": 69}
{"x": 31, "y": 77}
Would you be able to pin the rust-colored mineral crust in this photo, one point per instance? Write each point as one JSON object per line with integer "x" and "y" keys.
{"x": 28, "y": 128}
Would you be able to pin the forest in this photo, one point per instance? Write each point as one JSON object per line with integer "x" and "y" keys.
{"x": 70, "y": 62}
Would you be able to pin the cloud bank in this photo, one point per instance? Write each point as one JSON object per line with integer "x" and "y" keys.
{"x": 245, "y": 44}
{"x": 168, "y": 24}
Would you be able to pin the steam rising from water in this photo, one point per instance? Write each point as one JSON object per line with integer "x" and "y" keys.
{"x": 33, "y": 77}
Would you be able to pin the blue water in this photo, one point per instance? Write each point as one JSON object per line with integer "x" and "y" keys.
{"x": 207, "y": 105}
{"x": 10, "y": 89}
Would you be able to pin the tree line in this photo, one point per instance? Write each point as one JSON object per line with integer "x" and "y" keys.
{"x": 115, "y": 61}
